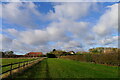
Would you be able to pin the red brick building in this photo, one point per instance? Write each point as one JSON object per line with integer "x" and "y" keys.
{"x": 34, "y": 54}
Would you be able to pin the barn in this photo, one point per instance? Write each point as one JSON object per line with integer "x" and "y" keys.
{"x": 34, "y": 54}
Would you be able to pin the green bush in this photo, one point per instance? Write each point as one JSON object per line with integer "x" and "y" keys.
{"x": 51, "y": 56}
{"x": 88, "y": 58}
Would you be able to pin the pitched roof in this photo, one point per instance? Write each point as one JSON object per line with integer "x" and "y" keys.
{"x": 35, "y": 53}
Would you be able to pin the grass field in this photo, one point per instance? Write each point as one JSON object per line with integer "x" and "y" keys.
{"x": 61, "y": 68}
{"x": 9, "y": 61}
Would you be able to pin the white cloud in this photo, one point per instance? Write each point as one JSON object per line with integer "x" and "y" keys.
{"x": 20, "y": 13}
{"x": 91, "y": 43}
{"x": 71, "y": 11}
{"x": 108, "y": 41}
{"x": 72, "y": 44}
{"x": 108, "y": 22}
{"x": 54, "y": 32}
{"x": 5, "y": 42}
{"x": 33, "y": 37}
{"x": 0, "y": 10}
{"x": 12, "y": 31}
{"x": 25, "y": 14}
{"x": 77, "y": 29}
{"x": 39, "y": 37}
{"x": 17, "y": 46}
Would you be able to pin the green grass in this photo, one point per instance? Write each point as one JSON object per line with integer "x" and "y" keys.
{"x": 61, "y": 68}
{"x": 9, "y": 61}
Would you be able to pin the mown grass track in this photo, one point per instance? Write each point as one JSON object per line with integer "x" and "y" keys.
{"x": 61, "y": 68}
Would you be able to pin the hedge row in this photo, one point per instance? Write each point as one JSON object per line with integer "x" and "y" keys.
{"x": 109, "y": 59}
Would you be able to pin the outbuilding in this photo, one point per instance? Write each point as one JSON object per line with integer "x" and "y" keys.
{"x": 34, "y": 54}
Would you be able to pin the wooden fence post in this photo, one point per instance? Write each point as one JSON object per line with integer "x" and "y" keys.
{"x": 19, "y": 65}
{"x": 11, "y": 69}
{"x": 24, "y": 64}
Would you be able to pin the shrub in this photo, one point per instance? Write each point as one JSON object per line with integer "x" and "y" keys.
{"x": 109, "y": 59}
{"x": 51, "y": 56}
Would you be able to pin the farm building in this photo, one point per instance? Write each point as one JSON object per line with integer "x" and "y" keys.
{"x": 34, "y": 54}
{"x": 71, "y": 52}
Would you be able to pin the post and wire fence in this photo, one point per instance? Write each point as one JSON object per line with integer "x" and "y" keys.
{"x": 17, "y": 65}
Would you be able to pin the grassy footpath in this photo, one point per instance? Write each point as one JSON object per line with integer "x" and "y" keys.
{"x": 61, "y": 68}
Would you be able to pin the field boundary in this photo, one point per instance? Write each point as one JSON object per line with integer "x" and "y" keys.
{"x": 25, "y": 65}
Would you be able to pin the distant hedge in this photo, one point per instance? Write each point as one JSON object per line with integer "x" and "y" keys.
{"x": 51, "y": 56}
{"x": 109, "y": 59}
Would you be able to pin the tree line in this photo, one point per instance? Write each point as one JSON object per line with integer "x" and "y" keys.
{"x": 6, "y": 53}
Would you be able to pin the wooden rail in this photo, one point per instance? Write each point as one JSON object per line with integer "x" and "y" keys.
{"x": 20, "y": 64}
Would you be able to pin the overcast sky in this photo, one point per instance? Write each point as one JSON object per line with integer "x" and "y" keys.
{"x": 43, "y": 26}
